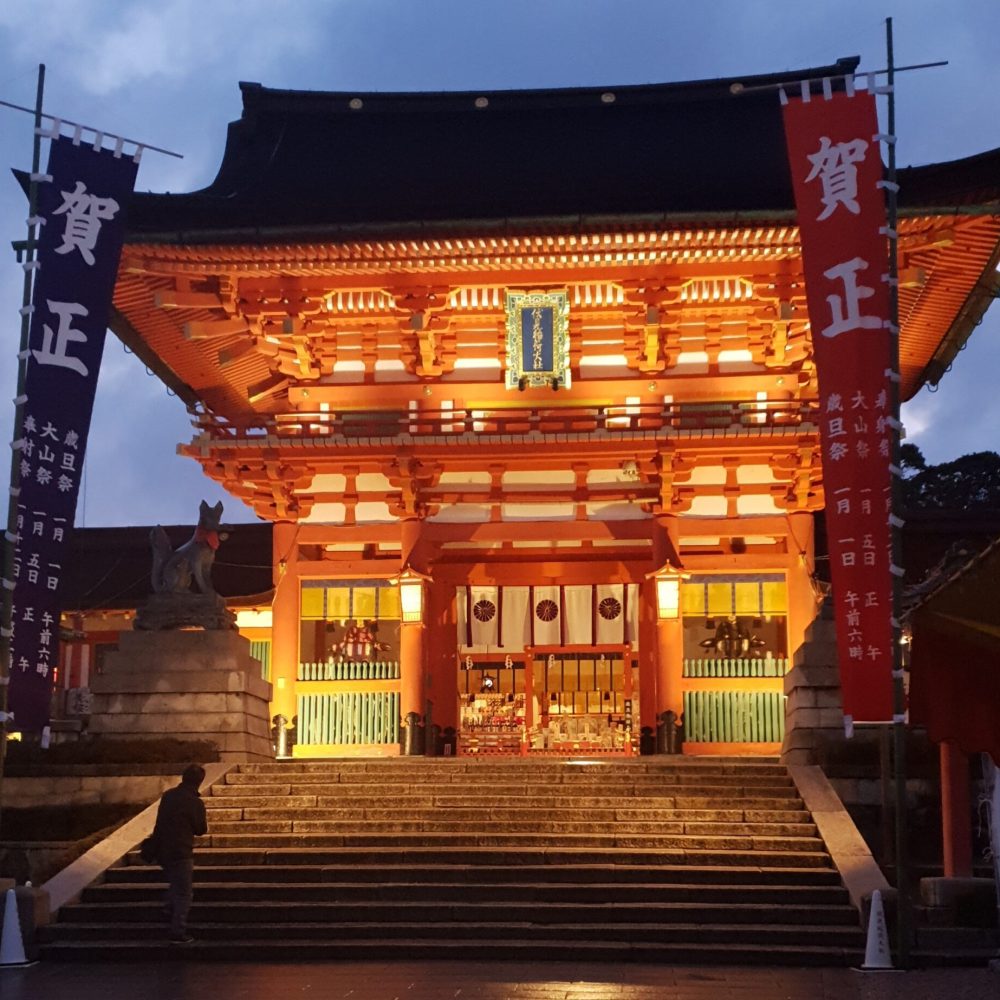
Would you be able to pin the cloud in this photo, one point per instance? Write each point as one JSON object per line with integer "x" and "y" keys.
{"x": 166, "y": 72}
{"x": 107, "y": 47}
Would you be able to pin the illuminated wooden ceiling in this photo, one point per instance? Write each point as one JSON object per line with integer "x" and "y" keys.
{"x": 237, "y": 327}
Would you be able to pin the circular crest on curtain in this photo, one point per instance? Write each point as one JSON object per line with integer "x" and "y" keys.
{"x": 484, "y": 611}
{"x": 609, "y": 609}
{"x": 547, "y": 611}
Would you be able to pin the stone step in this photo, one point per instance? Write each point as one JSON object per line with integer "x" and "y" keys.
{"x": 538, "y": 784}
{"x": 580, "y": 874}
{"x": 331, "y": 798}
{"x": 337, "y": 820}
{"x": 611, "y": 808}
{"x": 279, "y": 948}
{"x": 513, "y": 856}
{"x": 216, "y": 804}
{"x": 669, "y": 860}
{"x": 714, "y": 836}
{"x": 473, "y": 892}
{"x": 251, "y": 909}
{"x": 764, "y": 935}
{"x": 269, "y": 846}
{"x": 364, "y": 836}
{"x": 435, "y": 766}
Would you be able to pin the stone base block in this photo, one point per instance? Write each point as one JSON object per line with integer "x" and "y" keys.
{"x": 966, "y": 902}
{"x": 814, "y": 707}
{"x": 186, "y": 685}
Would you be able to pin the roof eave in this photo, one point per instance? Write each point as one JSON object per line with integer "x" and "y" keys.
{"x": 985, "y": 291}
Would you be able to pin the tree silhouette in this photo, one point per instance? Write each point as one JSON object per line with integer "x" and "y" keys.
{"x": 969, "y": 483}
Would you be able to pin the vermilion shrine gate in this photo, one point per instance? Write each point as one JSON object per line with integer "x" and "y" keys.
{"x": 542, "y": 567}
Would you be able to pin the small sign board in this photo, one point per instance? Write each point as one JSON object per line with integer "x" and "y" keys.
{"x": 537, "y": 340}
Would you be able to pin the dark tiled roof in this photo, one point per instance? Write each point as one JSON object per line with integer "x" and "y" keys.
{"x": 109, "y": 568}
{"x": 318, "y": 159}
{"x": 385, "y": 163}
{"x": 939, "y": 545}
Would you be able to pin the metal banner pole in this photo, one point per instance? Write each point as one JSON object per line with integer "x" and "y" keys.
{"x": 903, "y": 910}
{"x": 26, "y": 258}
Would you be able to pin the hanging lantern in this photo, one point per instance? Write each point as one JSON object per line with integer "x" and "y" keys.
{"x": 411, "y": 596}
{"x": 668, "y": 594}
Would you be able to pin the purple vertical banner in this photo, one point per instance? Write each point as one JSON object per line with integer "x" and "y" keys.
{"x": 81, "y": 205}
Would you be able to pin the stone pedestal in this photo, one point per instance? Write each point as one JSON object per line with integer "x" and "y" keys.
{"x": 186, "y": 685}
{"x": 171, "y": 610}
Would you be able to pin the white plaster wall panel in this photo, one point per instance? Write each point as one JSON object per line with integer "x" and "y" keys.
{"x": 471, "y": 364}
{"x": 757, "y": 504}
{"x": 477, "y": 374}
{"x": 537, "y": 511}
{"x": 622, "y": 511}
{"x": 568, "y": 543}
{"x": 606, "y": 478}
{"x": 373, "y": 512}
{"x": 747, "y": 474}
{"x": 541, "y": 480}
{"x": 735, "y": 361}
{"x": 462, "y": 513}
{"x": 693, "y": 362}
{"x": 604, "y": 360}
{"x": 373, "y": 482}
{"x": 347, "y": 372}
{"x": 604, "y": 366}
{"x": 326, "y": 513}
{"x": 393, "y": 370}
{"x": 465, "y": 480}
{"x": 707, "y": 475}
{"x": 707, "y": 507}
{"x": 326, "y": 482}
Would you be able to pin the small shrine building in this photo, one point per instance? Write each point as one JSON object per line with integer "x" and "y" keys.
{"x": 523, "y": 381}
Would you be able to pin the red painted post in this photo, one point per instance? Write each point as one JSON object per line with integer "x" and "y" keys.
{"x": 956, "y": 818}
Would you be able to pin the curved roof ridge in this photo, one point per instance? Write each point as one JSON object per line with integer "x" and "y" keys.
{"x": 257, "y": 97}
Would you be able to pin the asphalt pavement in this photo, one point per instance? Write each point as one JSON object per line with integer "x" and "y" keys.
{"x": 183, "y": 979}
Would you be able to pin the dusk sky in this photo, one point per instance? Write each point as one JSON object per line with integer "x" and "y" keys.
{"x": 167, "y": 74}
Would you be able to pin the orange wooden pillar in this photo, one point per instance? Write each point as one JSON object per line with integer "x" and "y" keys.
{"x": 412, "y": 682}
{"x": 411, "y": 687}
{"x": 956, "y": 808}
{"x": 669, "y": 632}
{"x": 440, "y": 654}
{"x": 284, "y": 619}
{"x": 648, "y": 656}
{"x": 661, "y": 645}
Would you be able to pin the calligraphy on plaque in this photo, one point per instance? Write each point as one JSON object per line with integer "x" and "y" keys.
{"x": 537, "y": 340}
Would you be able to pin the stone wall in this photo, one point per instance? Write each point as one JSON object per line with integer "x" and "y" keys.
{"x": 814, "y": 715}
{"x": 81, "y": 790}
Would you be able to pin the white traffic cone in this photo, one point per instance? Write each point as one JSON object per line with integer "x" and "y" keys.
{"x": 11, "y": 942}
{"x": 877, "y": 954}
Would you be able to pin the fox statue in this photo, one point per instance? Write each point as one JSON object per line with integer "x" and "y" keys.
{"x": 174, "y": 571}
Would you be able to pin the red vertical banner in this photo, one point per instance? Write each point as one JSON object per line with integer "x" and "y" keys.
{"x": 836, "y": 166}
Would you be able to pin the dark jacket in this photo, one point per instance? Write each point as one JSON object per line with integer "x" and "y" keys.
{"x": 180, "y": 818}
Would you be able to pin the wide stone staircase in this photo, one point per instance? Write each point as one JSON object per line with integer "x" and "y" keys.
{"x": 710, "y": 860}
